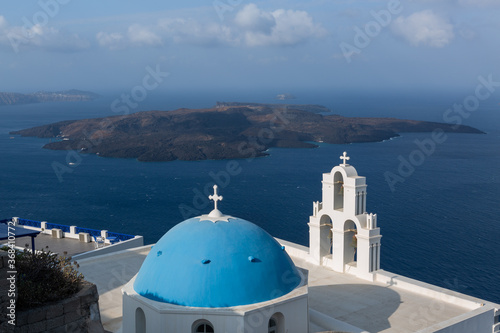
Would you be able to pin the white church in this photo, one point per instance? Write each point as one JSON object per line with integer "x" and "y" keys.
{"x": 219, "y": 273}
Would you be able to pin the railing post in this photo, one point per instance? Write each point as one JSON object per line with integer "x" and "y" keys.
{"x": 43, "y": 225}
{"x": 104, "y": 233}
{"x": 72, "y": 229}
{"x": 15, "y": 220}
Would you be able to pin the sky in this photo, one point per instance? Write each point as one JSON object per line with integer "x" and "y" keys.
{"x": 284, "y": 45}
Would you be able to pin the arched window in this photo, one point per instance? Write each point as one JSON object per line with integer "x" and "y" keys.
{"x": 338, "y": 191}
{"x": 326, "y": 236}
{"x": 140, "y": 321}
{"x": 350, "y": 242}
{"x": 203, "y": 327}
{"x": 272, "y": 327}
{"x": 276, "y": 323}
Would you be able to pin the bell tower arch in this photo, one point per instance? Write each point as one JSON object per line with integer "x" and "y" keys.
{"x": 338, "y": 191}
{"x": 353, "y": 235}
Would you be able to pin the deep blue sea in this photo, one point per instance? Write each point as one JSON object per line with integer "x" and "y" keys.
{"x": 441, "y": 225}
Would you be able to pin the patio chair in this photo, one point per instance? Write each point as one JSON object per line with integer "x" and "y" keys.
{"x": 99, "y": 241}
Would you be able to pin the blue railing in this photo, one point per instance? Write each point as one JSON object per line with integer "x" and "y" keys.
{"x": 29, "y": 223}
{"x": 63, "y": 227}
{"x": 120, "y": 237}
{"x": 91, "y": 232}
{"x": 96, "y": 233}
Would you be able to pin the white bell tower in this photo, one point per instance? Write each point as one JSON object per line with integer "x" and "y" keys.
{"x": 342, "y": 235}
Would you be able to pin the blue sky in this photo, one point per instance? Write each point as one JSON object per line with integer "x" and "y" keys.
{"x": 284, "y": 45}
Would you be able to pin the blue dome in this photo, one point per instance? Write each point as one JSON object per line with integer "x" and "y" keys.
{"x": 200, "y": 263}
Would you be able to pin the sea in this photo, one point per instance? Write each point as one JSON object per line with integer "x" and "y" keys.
{"x": 437, "y": 198}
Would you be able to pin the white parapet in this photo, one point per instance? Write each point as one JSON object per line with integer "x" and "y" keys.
{"x": 57, "y": 233}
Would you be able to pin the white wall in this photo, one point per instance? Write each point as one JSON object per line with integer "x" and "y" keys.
{"x": 164, "y": 317}
{"x": 135, "y": 242}
{"x": 296, "y": 317}
{"x": 477, "y": 321}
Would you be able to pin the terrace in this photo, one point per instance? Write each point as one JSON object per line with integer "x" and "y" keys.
{"x": 78, "y": 242}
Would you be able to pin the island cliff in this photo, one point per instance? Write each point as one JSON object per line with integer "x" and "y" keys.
{"x": 45, "y": 96}
{"x": 227, "y": 131}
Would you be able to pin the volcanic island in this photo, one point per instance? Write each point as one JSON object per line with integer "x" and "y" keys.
{"x": 226, "y": 131}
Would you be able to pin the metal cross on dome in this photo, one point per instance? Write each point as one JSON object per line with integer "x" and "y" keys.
{"x": 215, "y": 197}
{"x": 345, "y": 158}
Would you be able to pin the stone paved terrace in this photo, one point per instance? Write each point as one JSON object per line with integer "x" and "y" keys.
{"x": 70, "y": 242}
{"x": 110, "y": 273}
{"x": 374, "y": 307}
{"x": 57, "y": 245}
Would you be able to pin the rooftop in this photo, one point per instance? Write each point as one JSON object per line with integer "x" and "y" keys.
{"x": 374, "y": 307}
{"x": 333, "y": 297}
{"x": 110, "y": 273}
{"x": 64, "y": 239}
{"x": 239, "y": 262}
{"x": 57, "y": 245}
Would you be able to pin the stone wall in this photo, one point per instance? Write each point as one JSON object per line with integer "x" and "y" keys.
{"x": 79, "y": 313}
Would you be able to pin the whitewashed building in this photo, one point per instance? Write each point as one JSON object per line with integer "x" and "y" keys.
{"x": 342, "y": 235}
{"x": 218, "y": 273}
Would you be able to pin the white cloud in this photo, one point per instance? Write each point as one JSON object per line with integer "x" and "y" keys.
{"x": 113, "y": 41}
{"x": 425, "y": 28}
{"x": 136, "y": 35}
{"x": 251, "y": 27}
{"x": 253, "y": 19}
{"x": 58, "y": 41}
{"x": 39, "y": 36}
{"x": 188, "y": 31}
{"x": 141, "y": 35}
{"x": 290, "y": 27}
{"x": 3, "y": 23}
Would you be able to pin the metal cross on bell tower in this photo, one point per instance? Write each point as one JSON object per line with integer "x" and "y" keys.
{"x": 345, "y": 158}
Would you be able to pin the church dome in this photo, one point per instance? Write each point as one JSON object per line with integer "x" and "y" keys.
{"x": 216, "y": 261}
